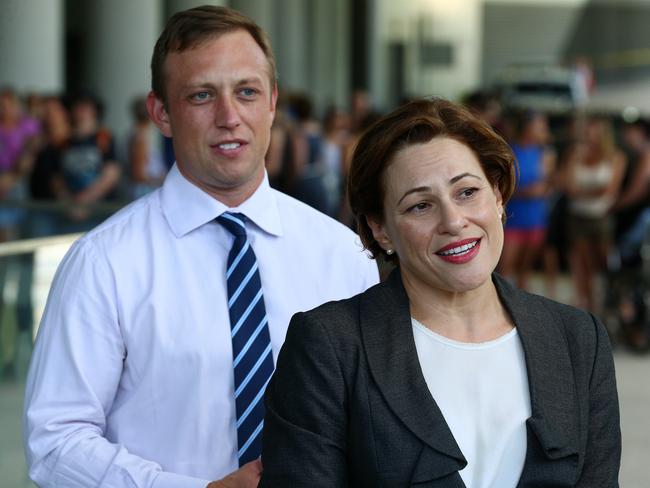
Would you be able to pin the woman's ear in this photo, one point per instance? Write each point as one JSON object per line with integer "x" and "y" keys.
{"x": 499, "y": 201}
{"x": 379, "y": 233}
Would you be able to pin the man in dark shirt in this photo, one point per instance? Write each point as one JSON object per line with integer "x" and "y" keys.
{"x": 88, "y": 171}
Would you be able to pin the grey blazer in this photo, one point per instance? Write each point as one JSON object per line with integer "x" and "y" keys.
{"x": 348, "y": 404}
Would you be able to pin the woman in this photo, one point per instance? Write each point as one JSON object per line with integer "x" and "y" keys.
{"x": 527, "y": 211}
{"x": 594, "y": 173}
{"x": 444, "y": 375}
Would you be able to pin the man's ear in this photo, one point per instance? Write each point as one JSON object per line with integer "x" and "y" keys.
{"x": 158, "y": 114}
{"x": 274, "y": 100}
{"x": 379, "y": 233}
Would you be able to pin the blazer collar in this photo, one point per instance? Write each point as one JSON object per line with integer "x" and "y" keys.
{"x": 553, "y": 391}
{"x": 387, "y": 336}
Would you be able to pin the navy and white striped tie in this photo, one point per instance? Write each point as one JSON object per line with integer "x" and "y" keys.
{"x": 251, "y": 342}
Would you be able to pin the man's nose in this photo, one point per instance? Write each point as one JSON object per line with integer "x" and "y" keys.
{"x": 227, "y": 113}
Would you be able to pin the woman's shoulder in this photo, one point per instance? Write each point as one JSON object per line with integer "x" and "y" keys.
{"x": 346, "y": 310}
{"x": 339, "y": 318}
{"x": 581, "y": 328}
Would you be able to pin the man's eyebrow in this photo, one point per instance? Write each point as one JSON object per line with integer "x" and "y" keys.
{"x": 246, "y": 81}
{"x": 414, "y": 190}
{"x": 463, "y": 175}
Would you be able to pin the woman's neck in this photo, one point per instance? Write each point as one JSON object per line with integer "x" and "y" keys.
{"x": 471, "y": 316}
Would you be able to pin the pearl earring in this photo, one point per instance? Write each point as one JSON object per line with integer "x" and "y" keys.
{"x": 389, "y": 252}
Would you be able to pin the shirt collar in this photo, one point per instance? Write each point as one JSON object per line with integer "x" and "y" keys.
{"x": 186, "y": 207}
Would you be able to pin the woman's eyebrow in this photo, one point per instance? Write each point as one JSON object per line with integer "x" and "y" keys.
{"x": 414, "y": 190}
{"x": 463, "y": 175}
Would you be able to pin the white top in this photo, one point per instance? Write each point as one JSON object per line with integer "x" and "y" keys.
{"x": 131, "y": 381}
{"x": 592, "y": 178}
{"x": 482, "y": 391}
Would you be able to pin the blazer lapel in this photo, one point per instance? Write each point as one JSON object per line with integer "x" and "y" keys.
{"x": 392, "y": 358}
{"x": 554, "y": 403}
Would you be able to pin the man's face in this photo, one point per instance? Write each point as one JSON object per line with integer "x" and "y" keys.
{"x": 220, "y": 107}
{"x": 84, "y": 117}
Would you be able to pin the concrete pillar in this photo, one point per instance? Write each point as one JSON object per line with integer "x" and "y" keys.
{"x": 31, "y": 45}
{"x": 292, "y": 43}
{"x": 120, "y": 35}
{"x": 378, "y": 54}
{"x": 261, "y": 11}
{"x": 330, "y": 55}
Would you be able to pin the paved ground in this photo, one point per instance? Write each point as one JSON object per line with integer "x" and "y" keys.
{"x": 633, "y": 375}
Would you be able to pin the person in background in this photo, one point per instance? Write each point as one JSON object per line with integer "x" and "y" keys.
{"x": 39, "y": 160}
{"x": 279, "y": 156}
{"x": 89, "y": 172}
{"x": 487, "y": 105}
{"x": 19, "y": 134}
{"x": 370, "y": 118}
{"x": 335, "y": 135}
{"x": 163, "y": 323}
{"x": 43, "y": 163}
{"x": 445, "y": 375}
{"x": 627, "y": 261}
{"x": 634, "y": 196}
{"x": 145, "y": 150}
{"x": 594, "y": 171}
{"x": 306, "y": 180}
{"x": 360, "y": 109}
{"x": 527, "y": 210}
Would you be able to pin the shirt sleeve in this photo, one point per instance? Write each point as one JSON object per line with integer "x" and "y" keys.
{"x": 73, "y": 379}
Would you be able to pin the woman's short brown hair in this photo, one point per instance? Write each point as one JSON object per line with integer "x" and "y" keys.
{"x": 415, "y": 123}
{"x": 189, "y": 28}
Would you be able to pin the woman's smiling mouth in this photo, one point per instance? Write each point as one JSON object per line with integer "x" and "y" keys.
{"x": 460, "y": 252}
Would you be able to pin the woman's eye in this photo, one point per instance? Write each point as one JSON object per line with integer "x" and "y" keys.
{"x": 419, "y": 207}
{"x": 468, "y": 192}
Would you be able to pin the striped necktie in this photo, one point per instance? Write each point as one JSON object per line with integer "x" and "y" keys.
{"x": 251, "y": 342}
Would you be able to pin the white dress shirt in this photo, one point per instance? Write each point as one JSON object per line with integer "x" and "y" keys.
{"x": 131, "y": 381}
{"x": 482, "y": 391}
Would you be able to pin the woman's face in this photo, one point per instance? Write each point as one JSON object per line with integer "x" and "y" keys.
{"x": 538, "y": 129}
{"x": 594, "y": 131}
{"x": 442, "y": 217}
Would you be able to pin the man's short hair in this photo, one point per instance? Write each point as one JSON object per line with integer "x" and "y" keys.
{"x": 190, "y": 28}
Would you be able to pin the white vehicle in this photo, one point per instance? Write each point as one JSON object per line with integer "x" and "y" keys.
{"x": 543, "y": 87}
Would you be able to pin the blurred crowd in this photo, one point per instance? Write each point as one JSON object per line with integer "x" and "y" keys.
{"x": 582, "y": 203}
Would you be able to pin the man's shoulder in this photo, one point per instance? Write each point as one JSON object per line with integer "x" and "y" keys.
{"x": 128, "y": 225}
{"x": 342, "y": 317}
{"x": 300, "y": 216}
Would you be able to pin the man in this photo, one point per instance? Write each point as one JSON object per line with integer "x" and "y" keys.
{"x": 88, "y": 171}
{"x": 142, "y": 373}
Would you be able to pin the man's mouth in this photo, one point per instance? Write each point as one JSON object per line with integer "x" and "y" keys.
{"x": 228, "y": 146}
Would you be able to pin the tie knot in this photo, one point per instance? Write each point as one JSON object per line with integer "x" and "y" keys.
{"x": 235, "y": 223}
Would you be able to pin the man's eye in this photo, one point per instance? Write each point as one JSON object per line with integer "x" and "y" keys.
{"x": 248, "y": 92}
{"x": 200, "y": 96}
